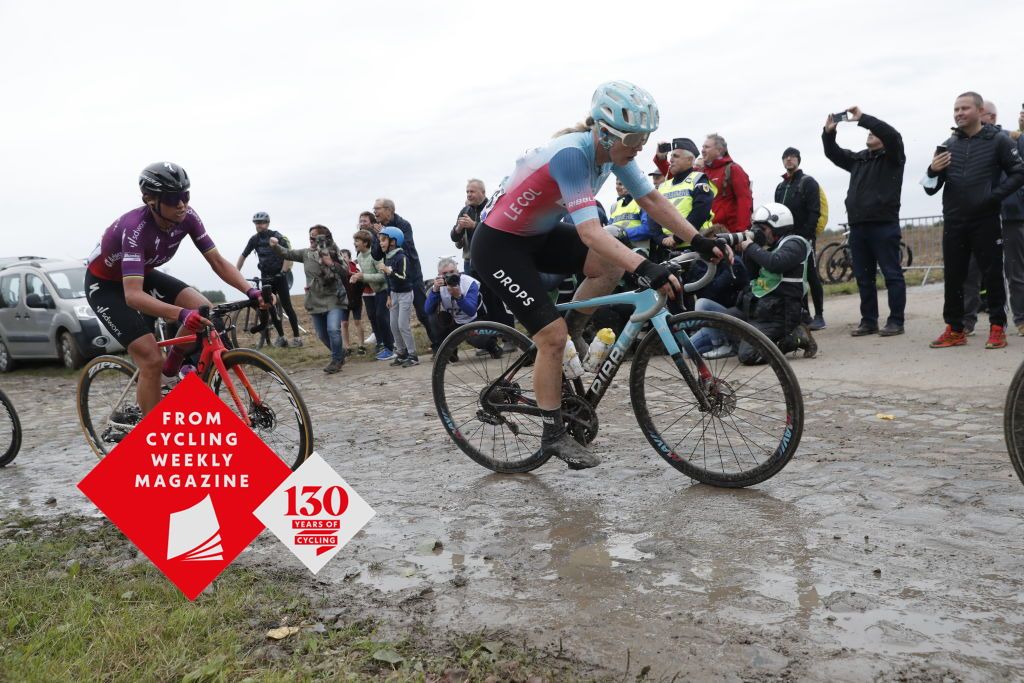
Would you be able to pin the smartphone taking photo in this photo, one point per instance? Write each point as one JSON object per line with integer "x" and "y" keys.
{"x": 941, "y": 149}
{"x": 841, "y": 116}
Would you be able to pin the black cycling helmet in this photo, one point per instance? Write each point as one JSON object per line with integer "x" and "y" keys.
{"x": 163, "y": 176}
{"x": 261, "y": 217}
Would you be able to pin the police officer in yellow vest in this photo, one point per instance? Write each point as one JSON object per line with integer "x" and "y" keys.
{"x": 625, "y": 213}
{"x": 688, "y": 189}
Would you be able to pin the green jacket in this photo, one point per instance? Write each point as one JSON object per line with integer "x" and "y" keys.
{"x": 371, "y": 274}
{"x": 325, "y": 287}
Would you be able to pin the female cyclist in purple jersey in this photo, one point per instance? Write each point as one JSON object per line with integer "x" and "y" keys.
{"x": 122, "y": 284}
{"x": 521, "y": 237}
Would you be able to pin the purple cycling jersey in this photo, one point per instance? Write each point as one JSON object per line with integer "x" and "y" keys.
{"x": 135, "y": 245}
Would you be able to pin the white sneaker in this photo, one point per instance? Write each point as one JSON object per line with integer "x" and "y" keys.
{"x": 723, "y": 351}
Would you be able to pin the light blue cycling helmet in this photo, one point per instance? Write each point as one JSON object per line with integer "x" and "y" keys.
{"x": 395, "y": 234}
{"x": 625, "y": 107}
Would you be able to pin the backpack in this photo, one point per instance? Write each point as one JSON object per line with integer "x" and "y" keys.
{"x": 823, "y": 201}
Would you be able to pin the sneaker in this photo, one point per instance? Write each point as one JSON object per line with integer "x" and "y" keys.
{"x": 496, "y": 353}
{"x": 399, "y": 359}
{"x": 482, "y": 352}
{"x": 891, "y": 330}
{"x": 864, "y": 329}
{"x": 334, "y": 366}
{"x": 280, "y": 342}
{"x": 385, "y": 354}
{"x": 454, "y": 358}
{"x": 378, "y": 349}
{"x": 567, "y": 449}
{"x": 949, "y": 338}
{"x": 996, "y": 337}
{"x": 968, "y": 330}
{"x": 723, "y": 351}
{"x": 818, "y": 323}
{"x": 1020, "y": 329}
{"x": 296, "y": 342}
{"x": 410, "y": 361}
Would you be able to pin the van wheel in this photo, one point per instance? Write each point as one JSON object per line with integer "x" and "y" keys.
{"x": 69, "y": 353}
{"x": 6, "y": 363}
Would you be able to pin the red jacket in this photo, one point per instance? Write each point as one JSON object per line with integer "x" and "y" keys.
{"x": 733, "y": 204}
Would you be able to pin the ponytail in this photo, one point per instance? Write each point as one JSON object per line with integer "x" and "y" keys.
{"x": 581, "y": 127}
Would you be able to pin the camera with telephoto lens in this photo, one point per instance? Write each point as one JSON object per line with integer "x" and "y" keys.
{"x": 452, "y": 279}
{"x": 734, "y": 238}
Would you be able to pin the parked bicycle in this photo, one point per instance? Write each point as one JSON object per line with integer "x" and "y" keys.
{"x": 716, "y": 421}
{"x": 255, "y": 324}
{"x": 253, "y": 385}
{"x": 835, "y": 260}
{"x": 1013, "y": 422}
{"x": 10, "y": 431}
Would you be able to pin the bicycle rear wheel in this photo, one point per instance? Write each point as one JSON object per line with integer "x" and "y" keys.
{"x": 1013, "y": 422}
{"x": 756, "y": 415}
{"x": 274, "y": 404}
{"x": 10, "y": 431}
{"x": 501, "y": 441}
{"x": 823, "y": 258}
{"x": 107, "y": 406}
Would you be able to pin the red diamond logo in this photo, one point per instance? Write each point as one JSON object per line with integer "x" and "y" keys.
{"x": 183, "y": 485}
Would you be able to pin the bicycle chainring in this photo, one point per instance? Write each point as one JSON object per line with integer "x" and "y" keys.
{"x": 580, "y": 419}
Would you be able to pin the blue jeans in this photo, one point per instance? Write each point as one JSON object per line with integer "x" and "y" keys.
{"x": 707, "y": 338}
{"x": 875, "y": 246}
{"x": 328, "y": 329}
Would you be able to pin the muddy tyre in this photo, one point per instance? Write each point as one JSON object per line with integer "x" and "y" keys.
{"x": 502, "y": 441}
{"x": 756, "y": 416}
{"x": 10, "y": 431}
{"x": 107, "y": 404}
{"x": 1013, "y": 422}
{"x": 275, "y": 406}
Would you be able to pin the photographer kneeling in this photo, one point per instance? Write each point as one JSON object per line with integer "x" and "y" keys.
{"x": 777, "y": 260}
{"x": 454, "y": 300}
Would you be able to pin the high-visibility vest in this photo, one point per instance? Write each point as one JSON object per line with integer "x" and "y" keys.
{"x": 767, "y": 281}
{"x": 625, "y": 216}
{"x": 681, "y": 196}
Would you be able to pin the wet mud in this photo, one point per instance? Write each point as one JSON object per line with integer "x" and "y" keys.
{"x": 886, "y": 550}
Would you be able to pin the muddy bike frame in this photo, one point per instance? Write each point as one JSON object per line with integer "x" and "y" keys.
{"x": 648, "y": 305}
{"x": 211, "y": 356}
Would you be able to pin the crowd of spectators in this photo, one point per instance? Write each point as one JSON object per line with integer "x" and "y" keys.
{"x": 773, "y": 283}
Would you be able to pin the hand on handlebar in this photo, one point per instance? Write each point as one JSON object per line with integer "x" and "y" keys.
{"x": 190, "y": 319}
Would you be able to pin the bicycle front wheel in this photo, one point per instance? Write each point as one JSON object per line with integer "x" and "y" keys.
{"x": 10, "y": 431}
{"x": 755, "y": 417}
{"x": 1013, "y": 422}
{"x": 107, "y": 405}
{"x": 840, "y": 265}
{"x": 501, "y": 441}
{"x": 274, "y": 404}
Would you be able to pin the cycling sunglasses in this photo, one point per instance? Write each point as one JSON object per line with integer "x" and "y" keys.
{"x": 628, "y": 139}
{"x": 172, "y": 198}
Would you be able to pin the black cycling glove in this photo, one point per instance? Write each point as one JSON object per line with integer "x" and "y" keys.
{"x": 706, "y": 246}
{"x": 652, "y": 275}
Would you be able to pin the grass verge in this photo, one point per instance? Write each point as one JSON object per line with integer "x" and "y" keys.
{"x": 75, "y": 605}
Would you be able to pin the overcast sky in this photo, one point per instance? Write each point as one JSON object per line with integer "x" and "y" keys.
{"x": 310, "y": 110}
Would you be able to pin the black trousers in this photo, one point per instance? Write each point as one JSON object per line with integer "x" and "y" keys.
{"x": 281, "y": 288}
{"x": 982, "y": 239}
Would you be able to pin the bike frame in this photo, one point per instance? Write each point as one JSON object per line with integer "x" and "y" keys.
{"x": 212, "y": 354}
{"x": 648, "y": 305}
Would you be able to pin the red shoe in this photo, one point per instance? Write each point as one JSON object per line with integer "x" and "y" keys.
{"x": 950, "y": 338}
{"x": 996, "y": 337}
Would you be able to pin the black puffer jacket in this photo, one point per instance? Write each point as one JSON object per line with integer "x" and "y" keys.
{"x": 876, "y": 178}
{"x": 784, "y": 302}
{"x": 971, "y": 185}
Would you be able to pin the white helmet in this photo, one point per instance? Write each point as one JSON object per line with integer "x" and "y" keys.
{"x": 776, "y": 216}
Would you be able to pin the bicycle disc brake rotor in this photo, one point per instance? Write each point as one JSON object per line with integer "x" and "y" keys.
{"x": 721, "y": 396}
{"x": 580, "y": 419}
{"x": 263, "y": 418}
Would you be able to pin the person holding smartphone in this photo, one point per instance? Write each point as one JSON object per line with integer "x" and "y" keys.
{"x": 873, "y": 207}
{"x": 979, "y": 168}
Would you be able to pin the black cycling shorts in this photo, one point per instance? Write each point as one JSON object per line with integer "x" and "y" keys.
{"x": 106, "y": 297}
{"x": 510, "y": 265}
